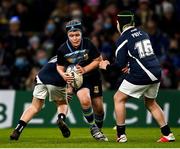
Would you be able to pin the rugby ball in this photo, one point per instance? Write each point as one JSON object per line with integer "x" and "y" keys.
{"x": 78, "y": 78}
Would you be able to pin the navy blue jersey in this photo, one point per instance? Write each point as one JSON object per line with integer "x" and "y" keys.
{"x": 49, "y": 75}
{"x": 134, "y": 48}
{"x": 83, "y": 56}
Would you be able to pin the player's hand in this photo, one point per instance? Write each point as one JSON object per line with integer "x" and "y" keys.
{"x": 125, "y": 70}
{"x": 68, "y": 77}
{"x": 80, "y": 69}
{"x": 103, "y": 64}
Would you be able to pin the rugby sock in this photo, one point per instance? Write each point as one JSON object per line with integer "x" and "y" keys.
{"x": 62, "y": 116}
{"x": 99, "y": 120}
{"x": 121, "y": 129}
{"x": 165, "y": 130}
{"x": 88, "y": 114}
{"x": 20, "y": 126}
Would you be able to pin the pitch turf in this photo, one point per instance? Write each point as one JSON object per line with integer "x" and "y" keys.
{"x": 81, "y": 138}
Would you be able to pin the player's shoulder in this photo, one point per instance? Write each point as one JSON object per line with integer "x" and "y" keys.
{"x": 135, "y": 33}
{"x": 130, "y": 31}
{"x": 142, "y": 30}
{"x": 120, "y": 40}
{"x": 62, "y": 46}
{"x": 53, "y": 59}
{"x": 88, "y": 43}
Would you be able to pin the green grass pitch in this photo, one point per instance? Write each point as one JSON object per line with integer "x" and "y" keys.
{"x": 81, "y": 138}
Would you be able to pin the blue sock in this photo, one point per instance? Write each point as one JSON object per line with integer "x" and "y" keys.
{"x": 99, "y": 120}
{"x": 88, "y": 114}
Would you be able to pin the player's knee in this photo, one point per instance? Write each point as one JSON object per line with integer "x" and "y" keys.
{"x": 118, "y": 98}
{"x": 85, "y": 102}
{"x": 150, "y": 103}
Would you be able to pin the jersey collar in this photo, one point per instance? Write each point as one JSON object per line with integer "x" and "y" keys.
{"x": 127, "y": 29}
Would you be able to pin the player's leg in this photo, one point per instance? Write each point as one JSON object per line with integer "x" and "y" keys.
{"x": 39, "y": 95}
{"x": 27, "y": 115}
{"x": 155, "y": 110}
{"x": 59, "y": 96}
{"x": 97, "y": 101}
{"x": 62, "y": 109}
{"x": 125, "y": 90}
{"x": 157, "y": 113}
{"x": 120, "y": 111}
{"x": 85, "y": 100}
{"x": 97, "y": 104}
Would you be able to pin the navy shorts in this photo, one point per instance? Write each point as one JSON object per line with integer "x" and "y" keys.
{"x": 94, "y": 85}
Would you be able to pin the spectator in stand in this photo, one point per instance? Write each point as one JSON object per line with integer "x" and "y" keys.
{"x": 34, "y": 45}
{"x": 41, "y": 58}
{"x": 160, "y": 42}
{"x": 60, "y": 11}
{"x": 8, "y": 8}
{"x": 22, "y": 11}
{"x": 126, "y": 4}
{"x": 3, "y": 23}
{"x": 5, "y": 65}
{"x": 143, "y": 12}
{"x": 174, "y": 54}
{"x": 15, "y": 39}
{"x": 111, "y": 11}
{"x": 51, "y": 38}
{"x": 168, "y": 23}
{"x": 21, "y": 69}
{"x": 5, "y": 56}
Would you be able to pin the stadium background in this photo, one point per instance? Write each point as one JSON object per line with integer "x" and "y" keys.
{"x": 32, "y": 30}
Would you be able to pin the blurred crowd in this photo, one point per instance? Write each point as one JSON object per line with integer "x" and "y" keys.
{"x": 32, "y": 30}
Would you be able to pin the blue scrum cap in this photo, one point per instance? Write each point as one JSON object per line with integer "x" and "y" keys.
{"x": 73, "y": 25}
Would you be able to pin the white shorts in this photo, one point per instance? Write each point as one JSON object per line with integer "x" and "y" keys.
{"x": 41, "y": 91}
{"x": 136, "y": 91}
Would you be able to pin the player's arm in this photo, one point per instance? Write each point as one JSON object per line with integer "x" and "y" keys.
{"x": 120, "y": 63}
{"x": 105, "y": 64}
{"x": 93, "y": 65}
{"x": 61, "y": 69}
{"x": 94, "y": 55}
{"x": 67, "y": 77}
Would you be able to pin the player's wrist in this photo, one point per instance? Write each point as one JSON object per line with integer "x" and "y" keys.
{"x": 84, "y": 70}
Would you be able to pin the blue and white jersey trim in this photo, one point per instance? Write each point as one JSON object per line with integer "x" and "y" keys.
{"x": 120, "y": 46}
{"x": 38, "y": 80}
{"x": 151, "y": 76}
{"x": 53, "y": 59}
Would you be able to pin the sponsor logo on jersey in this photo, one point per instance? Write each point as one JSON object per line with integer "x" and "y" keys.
{"x": 77, "y": 56}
